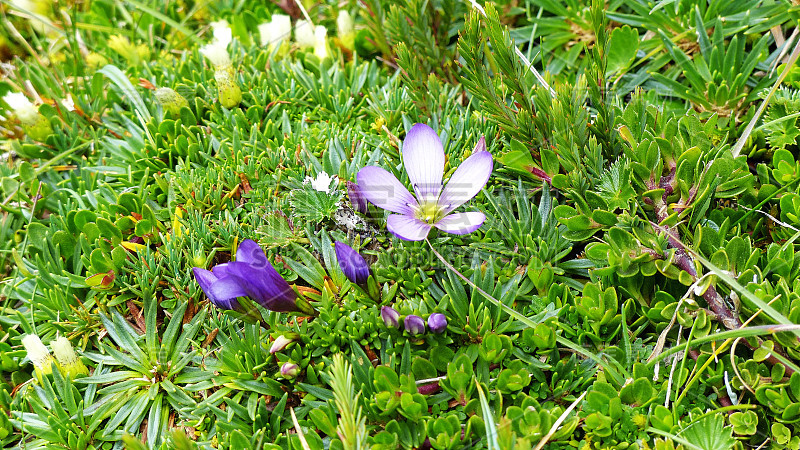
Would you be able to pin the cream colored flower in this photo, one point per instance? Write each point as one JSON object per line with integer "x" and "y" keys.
{"x": 65, "y": 355}
{"x": 38, "y": 354}
{"x": 23, "y": 108}
{"x": 276, "y": 31}
{"x": 304, "y": 34}
{"x": 320, "y": 42}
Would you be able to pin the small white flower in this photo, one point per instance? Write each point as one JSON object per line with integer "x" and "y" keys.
{"x": 217, "y": 53}
{"x": 344, "y": 26}
{"x": 344, "y": 23}
{"x": 304, "y": 34}
{"x": 322, "y": 183}
{"x": 222, "y": 32}
{"x": 68, "y": 103}
{"x": 320, "y": 44}
{"x": 23, "y": 108}
{"x": 276, "y": 31}
{"x": 38, "y": 353}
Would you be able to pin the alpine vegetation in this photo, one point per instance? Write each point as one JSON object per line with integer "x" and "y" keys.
{"x": 415, "y": 224}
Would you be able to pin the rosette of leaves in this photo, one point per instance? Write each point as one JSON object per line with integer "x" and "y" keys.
{"x": 534, "y": 234}
{"x": 721, "y": 78}
{"x": 63, "y": 416}
{"x": 146, "y": 378}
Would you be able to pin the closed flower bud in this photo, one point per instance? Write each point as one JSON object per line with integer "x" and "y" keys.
{"x": 35, "y": 124}
{"x": 38, "y": 354}
{"x": 276, "y": 31}
{"x": 320, "y": 42}
{"x": 357, "y": 199}
{"x": 171, "y": 101}
{"x": 290, "y": 370}
{"x": 414, "y": 324}
{"x": 230, "y": 95}
{"x": 280, "y": 343}
{"x": 304, "y": 34}
{"x": 437, "y": 322}
{"x": 353, "y": 265}
{"x": 70, "y": 363}
{"x": 390, "y": 316}
{"x": 344, "y": 26}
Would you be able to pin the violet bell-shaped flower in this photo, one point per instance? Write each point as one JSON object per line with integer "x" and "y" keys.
{"x": 353, "y": 265}
{"x": 220, "y": 289}
{"x": 423, "y": 157}
{"x": 414, "y": 324}
{"x": 437, "y": 322}
{"x": 253, "y": 276}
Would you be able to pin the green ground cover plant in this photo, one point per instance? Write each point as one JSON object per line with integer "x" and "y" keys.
{"x": 414, "y": 224}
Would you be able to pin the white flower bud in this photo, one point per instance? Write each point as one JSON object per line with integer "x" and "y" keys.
{"x": 217, "y": 53}
{"x": 38, "y": 354}
{"x": 25, "y": 110}
{"x": 35, "y": 124}
{"x": 320, "y": 43}
{"x": 304, "y": 34}
{"x": 222, "y": 33}
{"x": 66, "y": 357}
{"x": 344, "y": 26}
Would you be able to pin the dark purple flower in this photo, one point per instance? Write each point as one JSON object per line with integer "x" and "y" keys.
{"x": 423, "y": 157}
{"x": 253, "y": 276}
{"x": 352, "y": 263}
{"x": 390, "y": 316}
{"x": 220, "y": 289}
{"x": 357, "y": 199}
{"x": 414, "y": 324}
{"x": 437, "y": 322}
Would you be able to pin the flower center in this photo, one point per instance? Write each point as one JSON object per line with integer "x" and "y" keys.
{"x": 429, "y": 212}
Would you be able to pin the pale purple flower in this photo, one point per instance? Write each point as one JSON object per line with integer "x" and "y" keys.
{"x": 390, "y": 316}
{"x": 437, "y": 322}
{"x": 423, "y": 157}
{"x": 251, "y": 275}
{"x": 353, "y": 265}
{"x": 414, "y": 324}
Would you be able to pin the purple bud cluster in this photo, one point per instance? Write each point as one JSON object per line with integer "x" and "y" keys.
{"x": 413, "y": 324}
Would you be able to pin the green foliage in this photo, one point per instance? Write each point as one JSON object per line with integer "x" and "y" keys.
{"x": 630, "y": 287}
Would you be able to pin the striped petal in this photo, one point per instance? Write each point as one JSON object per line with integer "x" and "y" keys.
{"x": 423, "y": 157}
{"x": 467, "y": 181}
{"x": 407, "y": 227}
{"x": 461, "y": 223}
{"x": 384, "y": 190}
